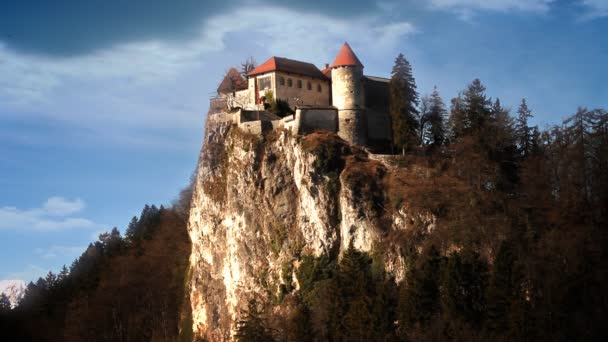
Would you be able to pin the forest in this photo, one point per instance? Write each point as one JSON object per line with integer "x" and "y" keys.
{"x": 518, "y": 252}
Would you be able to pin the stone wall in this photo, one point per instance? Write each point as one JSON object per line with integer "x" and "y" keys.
{"x": 348, "y": 97}
{"x": 307, "y": 97}
{"x": 221, "y": 117}
{"x": 240, "y": 99}
{"x": 351, "y": 126}
{"x": 347, "y": 88}
{"x": 316, "y": 119}
{"x": 256, "y": 127}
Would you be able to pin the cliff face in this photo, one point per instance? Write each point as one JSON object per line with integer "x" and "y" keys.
{"x": 261, "y": 203}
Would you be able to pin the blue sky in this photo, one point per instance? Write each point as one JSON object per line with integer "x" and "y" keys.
{"x": 102, "y": 103}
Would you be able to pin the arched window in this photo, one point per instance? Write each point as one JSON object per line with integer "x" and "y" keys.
{"x": 281, "y": 80}
{"x": 319, "y": 89}
{"x": 309, "y": 85}
{"x": 299, "y": 83}
{"x": 289, "y": 82}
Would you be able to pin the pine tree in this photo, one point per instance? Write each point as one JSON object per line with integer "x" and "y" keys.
{"x": 464, "y": 286}
{"x": 500, "y": 290}
{"x": 132, "y": 233}
{"x": 51, "y": 280}
{"x": 523, "y": 133}
{"x": 419, "y": 298}
{"x": 252, "y": 326}
{"x": 403, "y": 102}
{"x": 436, "y": 132}
{"x": 470, "y": 111}
{"x": 354, "y": 279}
{"x": 5, "y": 303}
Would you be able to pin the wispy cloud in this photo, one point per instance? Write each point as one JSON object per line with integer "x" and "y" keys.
{"x": 28, "y": 79}
{"x": 145, "y": 88}
{"x": 56, "y": 251}
{"x": 595, "y": 8}
{"x": 467, "y": 8}
{"x": 30, "y": 273}
{"x": 54, "y": 215}
{"x": 59, "y": 206}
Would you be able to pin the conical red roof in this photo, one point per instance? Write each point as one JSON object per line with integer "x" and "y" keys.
{"x": 346, "y": 57}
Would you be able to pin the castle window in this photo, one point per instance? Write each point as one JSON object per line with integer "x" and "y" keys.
{"x": 309, "y": 86}
{"x": 264, "y": 83}
{"x": 299, "y": 83}
{"x": 289, "y": 82}
{"x": 281, "y": 80}
{"x": 319, "y": 88}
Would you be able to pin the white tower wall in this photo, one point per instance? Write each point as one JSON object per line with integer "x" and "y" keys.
{"x": 348, "y": 98}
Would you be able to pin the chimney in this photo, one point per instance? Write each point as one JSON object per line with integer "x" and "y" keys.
{"x": 326, "y": 65}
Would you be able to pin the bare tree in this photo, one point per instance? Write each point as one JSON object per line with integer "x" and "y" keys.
{"x": 248, "y": 65}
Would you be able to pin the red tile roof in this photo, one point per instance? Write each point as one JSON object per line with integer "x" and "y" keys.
{"x": 346, "y": 57}
{"x": 287, "y": 65}
{"x": 233, "y": 79}
{"x": 327, "y": 72}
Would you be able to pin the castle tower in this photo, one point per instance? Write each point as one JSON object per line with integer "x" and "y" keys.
{"x": 347, "y": 96}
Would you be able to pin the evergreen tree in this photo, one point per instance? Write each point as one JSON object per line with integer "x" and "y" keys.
{"x": 419, "y": 298}
{"x": 500, "y": 289}
{"x": 51, "y": 280}
{"x": 63, "y": 274}
{"x": 523, "y": 132}
{"x": 436, "y": 132}
{"x": 252, "y": 325}
{"x": 5, "y": 304}
{"x": 470, "y": 111}
{"x": 132, "y": 233}
{"x": 464, "y": 284}
{"x": 354, "y": 279}
{"x": 403, "y": 102}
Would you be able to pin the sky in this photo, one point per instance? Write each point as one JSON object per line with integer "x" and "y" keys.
{"x": 103, "y": 103}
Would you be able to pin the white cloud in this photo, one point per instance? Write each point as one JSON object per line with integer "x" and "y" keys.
{"x": 60, "y": 251}
{"x": 51, "y": 216}
{"x": 466, "y": 8}
{"x": 596, "y": 8}
{"x": 59, "y": 206}
{"x": 134, "y": 85}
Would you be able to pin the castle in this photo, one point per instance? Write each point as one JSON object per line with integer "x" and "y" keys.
{"x": 339, "y": 99}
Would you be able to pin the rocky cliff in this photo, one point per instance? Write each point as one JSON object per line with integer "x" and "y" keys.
{"x": 261, "y": 203}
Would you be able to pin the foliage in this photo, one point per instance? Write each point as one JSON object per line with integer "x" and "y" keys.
{"x": 403, "y": 102}
{"x": 277, "y": 107}
{"x": 107, "y": 293}
{"x": 252, "y": 326}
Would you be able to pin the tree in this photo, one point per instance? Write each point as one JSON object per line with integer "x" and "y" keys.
{"x": 132, "y": 232}
{"x": 436, "y": 132}
{"x": 5, "y": 303}
{"x": 51, "y": 280}
{"x": 248, "y": 65}
{"x": 63, "y": 274}
{"x": 403, "y": 102}
{"x": 501, "y": 288}
{"x": 523, "y": 133}
{"x": 112, "y": 242}
{"x": 419, "y": 298}
{"x": 252, "y": 325}
{"x": 470, "y": 111}
{"x": 464, "y": 287}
